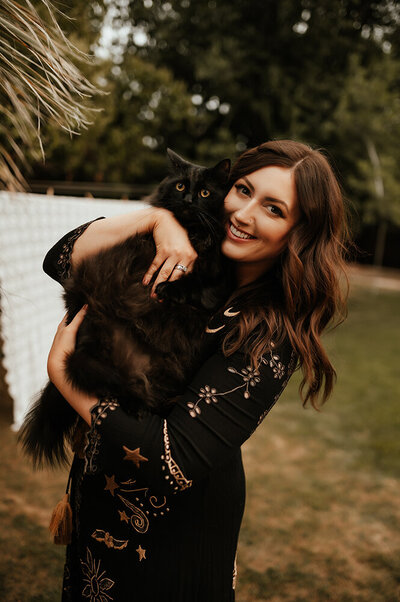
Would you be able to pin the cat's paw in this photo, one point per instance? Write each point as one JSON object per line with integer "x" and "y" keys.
{"x": 172, "y": 291}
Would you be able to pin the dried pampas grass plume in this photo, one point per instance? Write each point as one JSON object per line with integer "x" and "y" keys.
{"x": 38, "y": 82}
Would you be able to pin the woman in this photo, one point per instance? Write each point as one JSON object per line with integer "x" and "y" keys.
{"x": 158, "y": 503}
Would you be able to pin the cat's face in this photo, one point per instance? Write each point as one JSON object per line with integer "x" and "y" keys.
{"x": 191, "y": 186}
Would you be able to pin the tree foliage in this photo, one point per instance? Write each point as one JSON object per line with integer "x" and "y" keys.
{"x": 210, "y": 78}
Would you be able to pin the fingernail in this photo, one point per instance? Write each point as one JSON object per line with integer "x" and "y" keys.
{"x": 85, "y": 306}
{"x": 146, "y": 280}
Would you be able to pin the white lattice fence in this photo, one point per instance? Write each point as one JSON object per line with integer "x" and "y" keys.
{"x": 30, "y": 301}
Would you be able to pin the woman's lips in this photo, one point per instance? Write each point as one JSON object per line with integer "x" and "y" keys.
{"x": 237, "y": 238}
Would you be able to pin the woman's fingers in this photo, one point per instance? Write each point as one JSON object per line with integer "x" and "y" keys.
{"x": 164, "y": 273}
{"x": 77, "y": 319}
{"x": 176, "y": 274}
{"x": 64, "y": 343}
{"x": 166, "y": 264}
{"x": 156, "y": 264}
{"x": 63, "y": 322}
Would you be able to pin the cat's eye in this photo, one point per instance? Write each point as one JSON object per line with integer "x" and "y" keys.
{"x": 204, "y": 193}
{"x": 180, "y": 186}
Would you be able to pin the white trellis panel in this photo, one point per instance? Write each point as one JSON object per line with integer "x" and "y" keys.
{"x": 30, "y": 302}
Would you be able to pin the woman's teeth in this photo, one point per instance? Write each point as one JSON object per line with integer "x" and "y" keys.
{"x": 238, "y": 233}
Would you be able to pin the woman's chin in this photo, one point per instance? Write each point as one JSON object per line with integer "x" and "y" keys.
{"x": 233, "y": 251}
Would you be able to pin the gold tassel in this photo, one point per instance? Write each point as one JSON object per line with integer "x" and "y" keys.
{"x": 61, "y": 521}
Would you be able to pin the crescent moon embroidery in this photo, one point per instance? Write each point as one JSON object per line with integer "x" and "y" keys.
{"x": 212, "y": 330}
{"x": 228, "y": 313}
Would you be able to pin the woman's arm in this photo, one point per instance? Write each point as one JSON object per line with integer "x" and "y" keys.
{"x": 219, "y": 410}
{"x": 171, "y": 240}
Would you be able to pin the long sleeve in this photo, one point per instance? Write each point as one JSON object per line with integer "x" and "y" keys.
{"x": 220, "y": 409}
{"x": 57, "y": 262}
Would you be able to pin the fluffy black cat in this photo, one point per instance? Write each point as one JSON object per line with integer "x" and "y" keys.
{"x": 130, "y": 345}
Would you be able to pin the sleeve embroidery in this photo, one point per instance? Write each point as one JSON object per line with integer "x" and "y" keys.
{"x": 98, "y": 412}
{"x": 250, "y": 377}
{"x": 290, "y": 369}
{"x": 64, "y": 259}
{"x": 176, "y": 478}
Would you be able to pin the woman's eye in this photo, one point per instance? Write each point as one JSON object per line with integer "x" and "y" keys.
{"x": 275, "y": 210}
{"x": 180, "y": 186}
{"x": 204, "y": 193}
{"x": 242, "y": 189}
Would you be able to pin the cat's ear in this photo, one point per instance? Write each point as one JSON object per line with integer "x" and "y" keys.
{"x": 222, "y": 170}
{"x": 177, "y": 162}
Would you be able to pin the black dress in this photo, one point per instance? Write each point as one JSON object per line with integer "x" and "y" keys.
{"x": 158, "y": 502}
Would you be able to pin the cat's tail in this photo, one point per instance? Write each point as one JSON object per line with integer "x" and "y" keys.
{"x": 47, "y": 427}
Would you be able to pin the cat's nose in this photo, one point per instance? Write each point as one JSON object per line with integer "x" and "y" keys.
{"x": 187, "y": 198}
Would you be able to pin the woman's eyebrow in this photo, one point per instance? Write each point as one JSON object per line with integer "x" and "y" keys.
{"x": 267, "y": 198}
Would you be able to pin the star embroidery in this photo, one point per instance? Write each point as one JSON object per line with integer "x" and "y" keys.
{"x": 134, "y": 455}
{"x": 123, "y": 516}
{"x": 111, "y": 484}
{"x": 142, "y": 553}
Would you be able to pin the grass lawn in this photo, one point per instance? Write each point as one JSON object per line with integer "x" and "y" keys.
{"x": 322, "y": 520}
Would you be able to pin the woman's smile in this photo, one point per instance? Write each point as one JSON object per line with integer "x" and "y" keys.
{"x": 237, "y": 234}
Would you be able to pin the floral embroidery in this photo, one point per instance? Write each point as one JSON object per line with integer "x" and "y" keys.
{"x": 102, "y": 407}
{"x": 290, "y": 370}
{"x": 97, "y": 585}
{"x": 64, "y": 259}
{"x": 274, "y": 362}
{"x": 208, "y": 394}
{"x": 176, "y": 478}
{"x": 250, "y": 378}
{"x": 93, "y": 438}
{"x": 109, "y": 540}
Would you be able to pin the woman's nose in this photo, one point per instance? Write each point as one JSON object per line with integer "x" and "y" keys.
{"x": 246, "y": 213}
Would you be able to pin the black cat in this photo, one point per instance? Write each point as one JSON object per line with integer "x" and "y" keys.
{"x": 130, "y": 345}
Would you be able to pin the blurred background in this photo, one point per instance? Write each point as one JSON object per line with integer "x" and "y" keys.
{"x": 210, "y": 79}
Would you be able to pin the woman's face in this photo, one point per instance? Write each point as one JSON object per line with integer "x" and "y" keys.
{"x": 261, "y": 210}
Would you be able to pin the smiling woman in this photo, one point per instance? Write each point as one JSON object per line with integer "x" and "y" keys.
{"x": 286, "y": 221}
{"x": 157, "y": 502}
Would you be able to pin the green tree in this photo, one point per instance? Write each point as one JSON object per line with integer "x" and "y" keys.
{"x": 367, "y": 122}
{"x": 145, "y": 111}
{"x": 278, "y": 65}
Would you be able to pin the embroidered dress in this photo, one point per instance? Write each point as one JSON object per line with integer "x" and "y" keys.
{"x": 158, "y": 502}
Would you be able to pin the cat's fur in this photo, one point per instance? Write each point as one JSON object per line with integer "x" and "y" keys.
{"x": 129, "y": 345}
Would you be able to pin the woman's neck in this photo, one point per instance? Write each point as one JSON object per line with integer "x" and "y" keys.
{"x": 248, "y": 272}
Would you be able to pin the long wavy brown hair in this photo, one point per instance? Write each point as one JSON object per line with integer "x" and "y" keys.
{"x": 306, "y": 290}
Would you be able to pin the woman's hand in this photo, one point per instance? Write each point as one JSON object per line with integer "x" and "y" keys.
{"x": 63, "y": 344}
{"x": 172, "y": 247}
